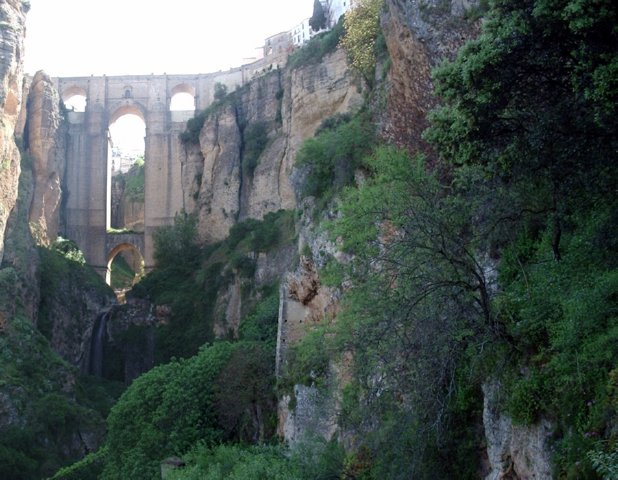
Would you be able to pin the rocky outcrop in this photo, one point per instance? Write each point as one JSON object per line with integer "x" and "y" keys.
{"x": 418, "y": 36}
{"x": 218, "y": 183}
{"x": 218, "y": 204}
{"x": 516, "y": 452}
{"x": 12, "y": 28}
{"x": 127, "y": 204}
{"x": 130, "y": 340}
{"x": 73, "y": 297}
{"x": 46, "y": 145}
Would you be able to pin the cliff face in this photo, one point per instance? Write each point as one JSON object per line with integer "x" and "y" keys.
{"x": 46, "y": 144}
{"x": 222, "y": 183}
{"x": 12, "y": 28}
{"x": 418, "y": 36}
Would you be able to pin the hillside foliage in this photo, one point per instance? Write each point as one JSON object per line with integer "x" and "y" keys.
{"x": 497, "y": 267}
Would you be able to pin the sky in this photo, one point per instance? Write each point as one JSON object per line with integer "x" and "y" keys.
{"x": 129, "y": 37}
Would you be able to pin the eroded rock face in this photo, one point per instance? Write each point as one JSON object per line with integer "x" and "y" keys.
{"x": 218, "y": 203}
{"x": 418, "y": 36}
{"x": 12, "y": 28}
{"x": 291, "y": 104}
{"x": 516, "y": 452}
{"x": 46, "y": 147}
{"x": 69, "y": 312}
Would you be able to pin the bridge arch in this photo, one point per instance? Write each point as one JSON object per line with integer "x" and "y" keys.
{"x": 127, "y": 108}
{"x": 182, "y": 98}
{"x": 136, "y": 264}
{"x": 75, "y": 98}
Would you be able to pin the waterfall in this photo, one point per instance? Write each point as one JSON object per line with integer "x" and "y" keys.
{"x": 96, "y": 347}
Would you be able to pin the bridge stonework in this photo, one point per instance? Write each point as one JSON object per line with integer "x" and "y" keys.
{"x": 88, "y": 172}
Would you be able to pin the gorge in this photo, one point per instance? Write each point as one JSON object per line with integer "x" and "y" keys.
{"x": 390, "y": 253}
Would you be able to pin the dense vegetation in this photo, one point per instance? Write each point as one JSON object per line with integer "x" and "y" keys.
{"x": 319, "y": 46}
{"x": 50, "y": 396}
{"x": 495, "y": 267}
{"x": 501, "y": 270}
{"x": 189, "y": 276}
{"x": 202, "y": 393}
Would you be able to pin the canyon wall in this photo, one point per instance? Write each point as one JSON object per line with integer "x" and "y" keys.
{"x": 12, "y": 31}
{"x": 46, "y": 144}
{"x": 289, "y": 105}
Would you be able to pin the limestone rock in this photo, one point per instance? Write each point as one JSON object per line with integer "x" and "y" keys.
{"x": 418, "y": 36}
{"x": 71, "y": 310}
{"x": 291, "y": 104}
{"x": 12, "y": 28}
{"x": 314, "y": 415}
{"x": 131, "y": 338}
{"x": 46, "y": 147}
{"x": 517, "y": 452}
{"x": 219, "y": 194}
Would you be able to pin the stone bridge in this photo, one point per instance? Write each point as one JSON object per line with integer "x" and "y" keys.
{"x": 88, "y": 173}
{"x": 119, "y": 242}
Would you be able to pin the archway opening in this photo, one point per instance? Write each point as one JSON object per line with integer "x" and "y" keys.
{"x": 126, "y": 175}
{"x": 125, "y": 267}
{"x": 75, "y": 99}
{"x": 182, "y": 102}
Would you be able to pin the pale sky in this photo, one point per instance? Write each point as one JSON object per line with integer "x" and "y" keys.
{"x": 122, "y": 37}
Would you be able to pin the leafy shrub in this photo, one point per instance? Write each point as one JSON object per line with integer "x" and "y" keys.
{"x": 572, "y": 303}
{"x": 164, "y": 412}
{"x": 307, "y": 360}
{"x": 332, "y": 156}
{"x": 262, "y": 235}
{"x": 261, "y": 324}
{"x": 68, "y": 249}
{"x": 88, "y": 468}
{"x": 220, "y": 91}
{"x": 233, "y": 462}
{"x": 362, "y": 28}
{"x": 134, "y": 182}
{"x": 316, "y": 48}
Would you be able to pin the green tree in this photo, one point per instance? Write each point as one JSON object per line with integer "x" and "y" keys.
{"x": 176, "y": 247}
{"x": 362, "y": 27}
{"x": 534, "y": 99}
{"x": 420, "y": 304}
{"x": 533, "y": 102}
{"x": 165, "y": 412}
{"x": 220, "y": 91}
{"x": 318, "y": 20}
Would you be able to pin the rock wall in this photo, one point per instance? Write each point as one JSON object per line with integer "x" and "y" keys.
{"x": 73, "y": 298}
{"x": 517, "y": 452}
{"x": 46, "y": 146}
{"x": 12, "y": 31}
{"x": 291, "y": 104}
{"x": 126, "y": 212}
{"x": 418, "y": 36}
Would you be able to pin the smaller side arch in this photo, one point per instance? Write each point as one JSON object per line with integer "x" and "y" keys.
{"x": 75, "y": 97}
{"x": 183, "y": 88}
{"x": 118, "y": 249}
{"x": 182, "y": 98}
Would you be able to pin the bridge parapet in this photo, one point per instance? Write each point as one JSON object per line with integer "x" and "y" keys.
{"x": 113, "y": 240}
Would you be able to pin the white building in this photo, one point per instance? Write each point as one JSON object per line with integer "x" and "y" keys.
{"x": 337, "y": 8}
{"x": 302, "y": 33}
